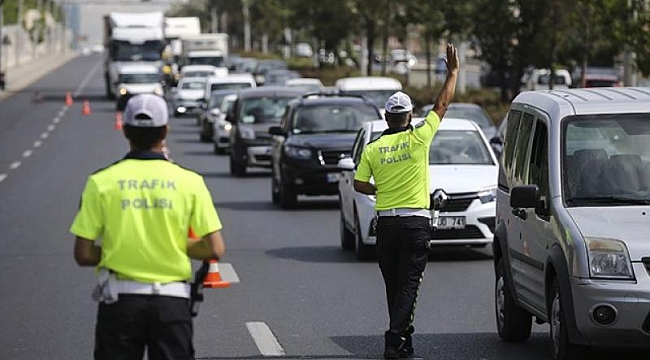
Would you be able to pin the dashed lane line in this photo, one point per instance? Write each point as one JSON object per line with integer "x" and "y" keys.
{"x": 15, "y": 165}
{"x": 38, "y": 143}
{"x": 86, "y": 80}
{"x": 27, "y": 154}
{"x": 56, "y": 120}
{"x": 3, "y": 177}
{"x": 51, "y": 128}
{"x": 44, "y": 135}
{"x": 266, "y": 342}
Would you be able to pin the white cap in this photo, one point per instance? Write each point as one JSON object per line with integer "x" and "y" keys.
{"x": 399, "y": 103}
{"x": 153, "y": 107}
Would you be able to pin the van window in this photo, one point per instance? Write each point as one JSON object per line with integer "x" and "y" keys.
{"x": 358, "y": 146}
{"x": 521, "y": 148}
{"x": 538, "y": 167}
{"x": 606, "y": 160}
{"x": 511, "y": 138}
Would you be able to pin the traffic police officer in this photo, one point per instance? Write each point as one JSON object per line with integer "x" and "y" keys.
{"x": 141, "y": 208}
{"x": 398, "y": 161}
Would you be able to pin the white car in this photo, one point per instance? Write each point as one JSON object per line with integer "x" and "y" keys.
{"x": 312, "y": 85}
{"x": 377, "y": 88}
{"x": 221, "y": 128}
{"x": 203, "y": 71}
{"x": 188, "y": 94}
{"x": 462, "y": 164}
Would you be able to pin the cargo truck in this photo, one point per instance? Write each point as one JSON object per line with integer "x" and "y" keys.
{"x": 205, "y": 49}
{"x": 131, "y": 38}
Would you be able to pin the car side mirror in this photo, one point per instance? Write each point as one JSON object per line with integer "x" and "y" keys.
{"x": 496, "y": 140}
{"x": 346, "y": 164}
{"x": 276, "y": 130}
{"x": 524, "y": 197}
{"x": 230, "y": 116}
{"x": 215, "y": 112}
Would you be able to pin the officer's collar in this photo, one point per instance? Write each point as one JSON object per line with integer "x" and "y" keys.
{"x": 396, "y": 130}
{"x": 144, "y": 155}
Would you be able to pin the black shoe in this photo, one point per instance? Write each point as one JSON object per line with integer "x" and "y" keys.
{"x": 391, "y": 353}
{"x": 406, "y": 352}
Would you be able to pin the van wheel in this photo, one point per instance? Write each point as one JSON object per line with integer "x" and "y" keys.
{"x": 347, "y": 237}
{"x": 363, "y": 251}
{"x": 561, "y": 348}
{"x": 513, "y": 322}
{"x": 275, "y": 192}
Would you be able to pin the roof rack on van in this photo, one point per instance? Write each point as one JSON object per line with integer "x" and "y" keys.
{"x": 322, "y": 94}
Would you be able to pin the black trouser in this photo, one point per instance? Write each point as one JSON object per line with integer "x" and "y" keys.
{"x": 162, "y": 324}
{"x": 403, "y": 251}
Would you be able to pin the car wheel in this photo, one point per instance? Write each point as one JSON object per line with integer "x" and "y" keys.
{"x": 288, "y": 196}
{"x": 237, "y": 168}
{"x": 204, "y": 136}
{"x": 513, "y": 322}
{"x": 347, "y": 236}
{"x": 561, "y": 348}
{"x": 363, "y": 251}
{"x": 275, "y": 191}
{"x": 217, "y": 150}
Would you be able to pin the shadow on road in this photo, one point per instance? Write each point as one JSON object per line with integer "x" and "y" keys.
{"x": 246, "y": 205}
{"x": 315, "y": 254}
{"x": 451, "y": 253}
{"x": 198, "y": 153}
{"x": 475, "y": 346}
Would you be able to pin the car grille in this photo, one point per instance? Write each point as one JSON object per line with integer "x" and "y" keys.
{"x": 457, "y": 202}
{"x": 262, "y": 135}
{"x": 332, "y": 157}
{"x": 469, "y": 232}
{"x": 263, "y": 157}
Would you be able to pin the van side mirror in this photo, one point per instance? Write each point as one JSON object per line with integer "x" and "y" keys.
{"x": 496, "y": 140}
{"x": 524, "y": 197}
{"x": 230, "y": 115}
{"x": 276, "y": 130}
{"x": 346, "y": 164}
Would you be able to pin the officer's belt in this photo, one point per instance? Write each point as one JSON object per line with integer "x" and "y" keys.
{"x": 176, "y": 289}
{"x": 405, "y": 212}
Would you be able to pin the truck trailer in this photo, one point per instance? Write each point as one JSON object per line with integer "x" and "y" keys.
{"x": 205, "y": 49}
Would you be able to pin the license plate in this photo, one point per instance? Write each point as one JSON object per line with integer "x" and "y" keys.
{"x": 333, "y": 177}
{"x": 451, "y": 222}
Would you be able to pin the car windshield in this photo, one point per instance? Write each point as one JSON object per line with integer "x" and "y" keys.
{"x": 206, "y": 60}
{"x": 280, "y": 78}
{"x": 378, "y": 96}
{"x": 606, "y": 160}
{"x": 198, "y": 73}
{"x": 476, "y": 114}
{"x": 193, "y": 85}
{"x": 216, "y": 100}
{"x": 229, "y": 86}
{"x": 332, "y": 118}
{"x": 139, "y": 78}
{"x": 263, "y": 110}
{"x": 459, "y": 147}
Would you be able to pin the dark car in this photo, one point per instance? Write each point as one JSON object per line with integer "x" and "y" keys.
{"x": 254, "y": 112}
{"x": 316, "y": 132}
{"x": 264, "y": 66}
{"x": 279, "y": 77}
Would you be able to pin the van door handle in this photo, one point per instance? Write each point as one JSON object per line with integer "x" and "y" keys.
{"x": 520, "y": 213}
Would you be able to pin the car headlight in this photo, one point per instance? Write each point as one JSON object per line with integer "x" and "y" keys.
{"x": 297, "y": 152}
{"x": 487, "y": 195}
{"x": 158, "y": 91}
{"x": 247, "y": 133}
{"x": 227, "y": 126}
{"x": 123, "y": 91}
{"x": 608, "y": 258}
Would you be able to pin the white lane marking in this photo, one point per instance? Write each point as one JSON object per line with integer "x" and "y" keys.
{"x": 61, "y": 113}
{"x": 227, "y": 272}
{"x": 15, "y": 165}
{"x": 64, "y": 110}
{"x": 51, "y": 128}
{"x": 3, "y": 177}
{"x": 87, "y": 78}
{"x": 27, "y": 154}
{"x": 44, "y": 135}
{"x": 266, "y": 342}
{"x": 56, "y": 120}
{"x": 38, "y": 143}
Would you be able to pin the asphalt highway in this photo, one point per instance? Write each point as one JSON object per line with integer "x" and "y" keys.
{"x": 299, "y": 295}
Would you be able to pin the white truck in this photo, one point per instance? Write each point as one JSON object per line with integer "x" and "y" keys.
{"x": 205, "y": 49}
{"x": 130, "y": 38}
{"x": 175, "y": 29}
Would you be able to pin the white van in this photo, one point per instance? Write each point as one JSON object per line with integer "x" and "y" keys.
{"x": 539, "y": 79}
{"x": 230, "y": 82}
{"x": 376, "y": 88}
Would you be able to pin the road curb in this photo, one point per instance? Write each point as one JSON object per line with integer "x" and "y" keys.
{"x": 24, "y": 75}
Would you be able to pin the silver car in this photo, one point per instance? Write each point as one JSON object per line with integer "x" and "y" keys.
{"x": 571, "y": 246}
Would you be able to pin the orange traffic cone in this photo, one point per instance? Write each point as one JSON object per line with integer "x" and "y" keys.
{"x": 213, "y": 279}
{"x": 86, "y": 108}
{"x": 68, "y": 99}
{"x": 118, "y": 120}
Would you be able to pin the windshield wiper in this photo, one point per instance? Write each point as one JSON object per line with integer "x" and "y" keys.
{"x": 611, "y": 200}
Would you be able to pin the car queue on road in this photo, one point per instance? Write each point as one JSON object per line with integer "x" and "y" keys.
{"x": 311, "y": 142}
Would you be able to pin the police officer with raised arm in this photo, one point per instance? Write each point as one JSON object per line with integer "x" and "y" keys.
{"x": 398, "y": 161}
{"x": 141, "y": 208}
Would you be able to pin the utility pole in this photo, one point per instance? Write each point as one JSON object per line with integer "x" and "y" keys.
{"x": 247, "y": 25}
{"x": 2, "y": 23}
{"x": 19, "y": 43}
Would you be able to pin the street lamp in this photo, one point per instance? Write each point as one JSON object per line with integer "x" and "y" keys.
{"x": 2, "y": 22}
